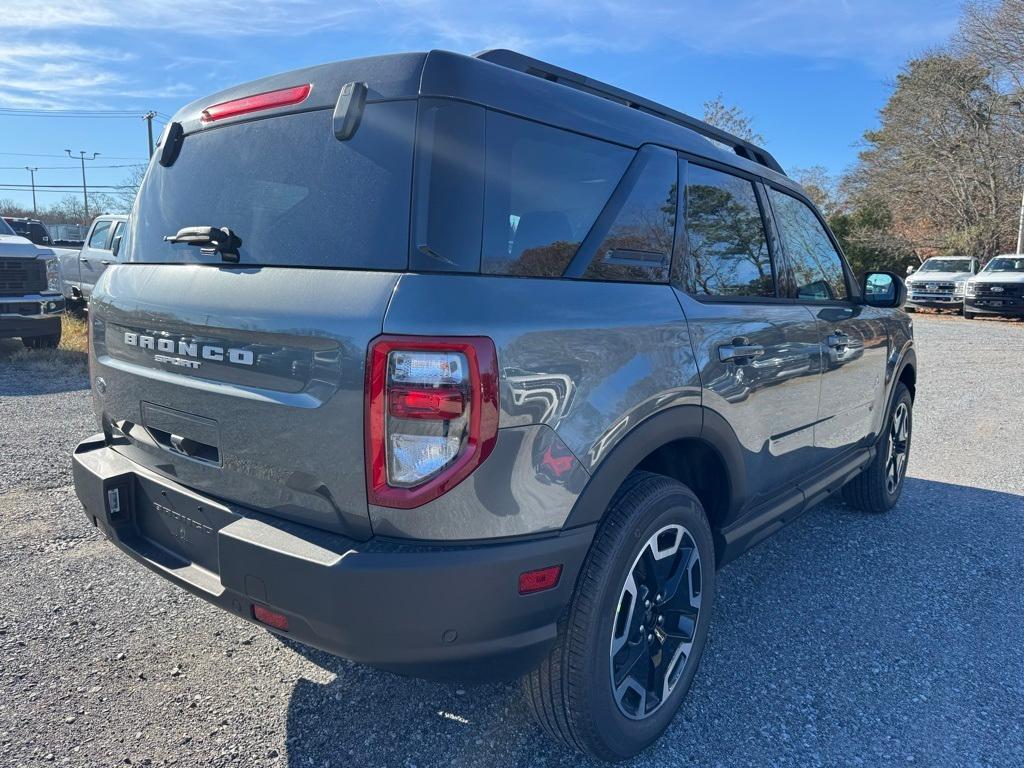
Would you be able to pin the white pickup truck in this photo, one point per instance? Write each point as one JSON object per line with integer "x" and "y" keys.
{"x": 31, "y": 301}
{"x": 81, "y": 269}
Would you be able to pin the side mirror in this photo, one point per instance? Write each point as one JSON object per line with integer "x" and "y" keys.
{"x": 911, "y": 269}
{"x": 115, "y": 247}
{"x": 883, "y": 289}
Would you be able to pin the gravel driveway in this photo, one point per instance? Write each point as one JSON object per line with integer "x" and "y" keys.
{"x": 845, "y": 639}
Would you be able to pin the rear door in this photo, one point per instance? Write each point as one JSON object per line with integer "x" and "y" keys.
{"x": 757, "y": 351}
{"x": 852, "y": 336}
{"x": 95, "y": 255}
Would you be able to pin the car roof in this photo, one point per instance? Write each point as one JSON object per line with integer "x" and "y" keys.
{"x": 507, "y": 82}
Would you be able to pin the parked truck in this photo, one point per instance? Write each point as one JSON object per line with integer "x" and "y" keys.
{"x": 82, "y": 268}
{"x": 31, "y": 303}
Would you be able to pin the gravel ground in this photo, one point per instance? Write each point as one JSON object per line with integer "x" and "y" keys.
{"x": 845, "y": 639}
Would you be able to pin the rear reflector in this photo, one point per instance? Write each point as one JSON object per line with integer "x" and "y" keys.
{"x": 539, "y": 580}
{"x": 270, "y": 618}
{"x": 282, "y": 98}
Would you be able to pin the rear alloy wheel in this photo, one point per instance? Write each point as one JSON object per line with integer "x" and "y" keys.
{"x": 878, "y": 487}
{"x": 655, "y": 622}
{"x": 631, "y": 639}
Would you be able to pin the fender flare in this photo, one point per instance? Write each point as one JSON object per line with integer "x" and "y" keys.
{"x": 660, "y": 429}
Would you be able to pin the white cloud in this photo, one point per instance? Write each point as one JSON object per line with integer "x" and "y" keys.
{"x": 877, "y": 33}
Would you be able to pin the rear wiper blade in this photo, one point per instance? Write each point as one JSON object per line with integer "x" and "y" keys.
{"x": 220, "y": 239}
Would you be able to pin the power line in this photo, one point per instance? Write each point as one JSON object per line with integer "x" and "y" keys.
{"x": 71, "y": 167}
{"x": 57, "y": 187}
{"x": 89, "y": 113}
{"x": 30, "y": 154}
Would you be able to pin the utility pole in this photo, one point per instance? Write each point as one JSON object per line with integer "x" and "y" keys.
{"x": 85, "y": 189}
{"x": 148, "y": 117}
{"x": 32, "y": 173}
{"x": 1020, "y": 228}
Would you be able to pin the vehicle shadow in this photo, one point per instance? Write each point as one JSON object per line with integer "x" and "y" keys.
{"x": 886, "y": 638}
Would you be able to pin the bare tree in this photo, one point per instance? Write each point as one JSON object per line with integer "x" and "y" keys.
{"x": 994, "y": 32}
{"x": 821, "y": 186}
{"x": 124, "y": 198}
{"x": 731, "y": 119}
{"x": 946, "y": 161}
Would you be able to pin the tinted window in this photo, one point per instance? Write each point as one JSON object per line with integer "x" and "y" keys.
{"x": 817, "y": 266}
{"x": 449, "y": 198}
{"x": 118, "y": 234}
{"x": 98, "y": 238}
{"x": 637, "y": 244}
{"x": 37, "y": 234}
{"x": 5, "y": 228}
{"x": 728, "y": 248}
{"x": 292, "y": 192}
{"x": 544, "y": 189}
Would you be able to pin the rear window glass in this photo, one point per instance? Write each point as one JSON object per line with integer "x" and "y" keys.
{"x": 544, "y": 189}
{"x": 293, "y": 193}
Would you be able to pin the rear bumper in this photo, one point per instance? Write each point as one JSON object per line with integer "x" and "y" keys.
{"x": 437, "y": 611}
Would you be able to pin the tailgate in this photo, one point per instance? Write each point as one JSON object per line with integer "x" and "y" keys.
{"x": 242, "y": 383}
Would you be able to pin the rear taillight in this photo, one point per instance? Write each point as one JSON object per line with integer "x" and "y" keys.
{"x": 431, "y": 415}
{"x": 257, "y": 102}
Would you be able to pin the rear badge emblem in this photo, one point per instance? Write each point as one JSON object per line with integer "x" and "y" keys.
{"x": 187, "y": 354}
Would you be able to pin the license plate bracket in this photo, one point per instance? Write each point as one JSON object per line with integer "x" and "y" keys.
{"x": 179, "y": 522}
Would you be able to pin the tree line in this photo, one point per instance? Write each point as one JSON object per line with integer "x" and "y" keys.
{"x": 943, "y": 171}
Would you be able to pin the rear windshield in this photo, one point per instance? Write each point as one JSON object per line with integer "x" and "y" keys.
{"x": 293, "y": 193}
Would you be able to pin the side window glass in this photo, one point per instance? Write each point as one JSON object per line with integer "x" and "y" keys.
{"x": 116, "y": 239}
{"x": 98, "y": 238}
{"x": 637, "y": 243}
{"x": 817, "y": 265}
{"x": 726, "y": 240}
{"x": 544, "y": 189}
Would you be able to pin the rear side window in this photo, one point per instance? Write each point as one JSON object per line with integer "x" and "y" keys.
{"x": 98, "y": 238}
{"x": 293, "y": 193}
{"x": 636, "y": 242}
{"x": 726, "y": 241}
{"x": 816, "y": 264}
{"x": 544, "y": 189}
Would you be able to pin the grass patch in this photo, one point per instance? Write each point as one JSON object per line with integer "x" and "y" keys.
{"x": 72, "y": 356}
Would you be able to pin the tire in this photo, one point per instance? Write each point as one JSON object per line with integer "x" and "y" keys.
{"x": 42, "y": 342}
{"x": 969, "y": 315}
{"x": 878, "y": 487}
{"x": 571, "y": 693}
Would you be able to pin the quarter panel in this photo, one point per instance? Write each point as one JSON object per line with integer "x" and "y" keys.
{"x": 528, "y": 484}
{"x": 588, "y": 359}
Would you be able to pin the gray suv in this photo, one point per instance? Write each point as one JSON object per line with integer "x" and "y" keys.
{"x": 474, "y": 367}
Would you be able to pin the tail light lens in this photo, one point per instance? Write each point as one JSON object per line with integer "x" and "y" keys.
{"x": 432, "y": 415}
{"x": 256, "y": 103}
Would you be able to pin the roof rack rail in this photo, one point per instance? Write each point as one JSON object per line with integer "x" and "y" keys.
{"x": 522, "y": 63}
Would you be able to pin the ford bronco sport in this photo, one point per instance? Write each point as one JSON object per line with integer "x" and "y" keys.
{"x": 476, "y": 367}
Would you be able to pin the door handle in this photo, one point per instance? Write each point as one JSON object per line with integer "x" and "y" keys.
{"x": 838, "y": 340}
{"x": 83, "y": 259}
{"x": 106, "y": 262}
{"x": 741, "y": 354}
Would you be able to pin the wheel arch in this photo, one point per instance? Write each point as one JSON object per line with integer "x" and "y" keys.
{"x": 688, "y": 443}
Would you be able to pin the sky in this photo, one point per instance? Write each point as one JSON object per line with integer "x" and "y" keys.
{"x": 811, "y": 73}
